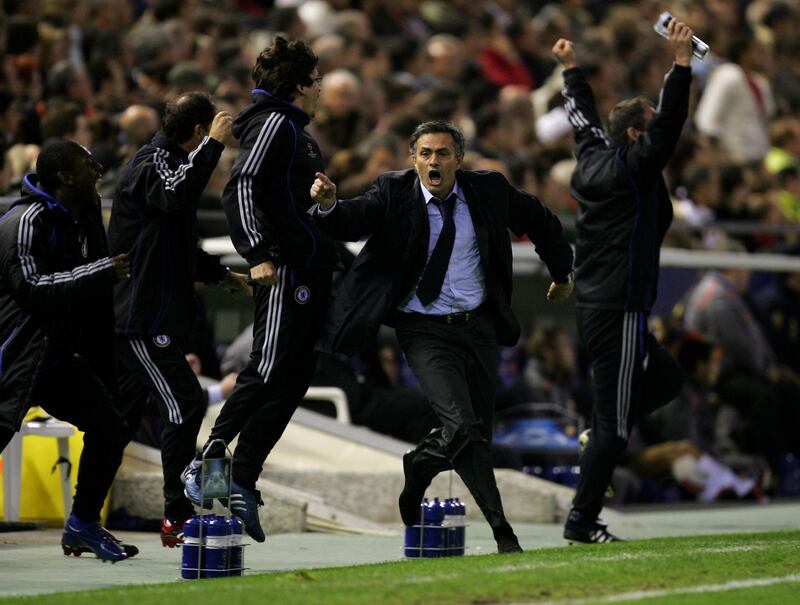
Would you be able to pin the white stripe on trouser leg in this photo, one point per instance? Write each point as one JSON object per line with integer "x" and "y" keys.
{"x": 272, "y": 326}
{"x": 625, "y": 380}
{"x": 621, "y": 373}
{"x": 173, "y": 409}
{"x": 628, "y": 377}
{"x": 635, "y": 317}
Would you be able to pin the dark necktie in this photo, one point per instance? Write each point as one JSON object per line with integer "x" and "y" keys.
{"x": 430, "y": 284}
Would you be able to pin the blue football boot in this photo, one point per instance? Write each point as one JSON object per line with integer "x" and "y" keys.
{"x": 81, "y": 537}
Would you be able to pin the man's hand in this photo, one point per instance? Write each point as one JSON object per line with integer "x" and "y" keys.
{"x": 264, "y": 274}
{"x": 680, "y": 39}
{"x": 564, "y": 53}
{"x": 323, "y": 191}
{"x": 560, "y": 292}
{"x": 236, "y": 283}
{"x": 122, "y": 266}
{"x": 221, "y": 128}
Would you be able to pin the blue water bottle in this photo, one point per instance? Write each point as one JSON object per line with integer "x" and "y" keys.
{"x": 191, "y": 556}
{"x": 235, "y": 548}
{"x": 216, "y": 560}
{"x": 433, "y": 533}
{"x": 461, "y": 510}
{"x": 413, "y": 545}
{"x": 450, "y": 524}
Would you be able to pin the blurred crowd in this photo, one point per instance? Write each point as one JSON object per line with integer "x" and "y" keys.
{"x": 101, "y": 71}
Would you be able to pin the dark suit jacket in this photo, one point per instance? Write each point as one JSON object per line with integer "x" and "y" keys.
{"x": 393, "y": 214}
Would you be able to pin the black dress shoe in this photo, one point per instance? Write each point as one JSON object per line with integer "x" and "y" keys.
{"x": 411, "y": 496}
{"x": 506, "y": 539}
{"x": 506, "y": 545}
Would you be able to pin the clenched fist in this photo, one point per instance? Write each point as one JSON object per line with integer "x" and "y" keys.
{"x": 221, "y": 128}
{"x": 323, "y": 191}
{"x": 565, "y": 53}
{"x": 122, "y": 266}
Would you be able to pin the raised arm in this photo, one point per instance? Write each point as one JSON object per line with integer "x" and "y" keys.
{"x": 169, "y": 190}
{"x": 579, "y": 101}
{"x": 653, "y": 151}
{"x": 346, "y": 220}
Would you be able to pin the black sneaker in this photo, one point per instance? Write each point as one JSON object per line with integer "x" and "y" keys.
{"x": 244, "y": 504}
{"x": 595, "y": 534}
{"x": 413, "y": 491}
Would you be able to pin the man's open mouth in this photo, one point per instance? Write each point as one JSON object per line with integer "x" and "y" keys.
{"x": 435, "y": 177}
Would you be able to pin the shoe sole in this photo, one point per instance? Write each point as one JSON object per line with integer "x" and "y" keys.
{"x": 130, "y": 550}
{"x": 168, "y": 541}
{"x": 77, "y": 551}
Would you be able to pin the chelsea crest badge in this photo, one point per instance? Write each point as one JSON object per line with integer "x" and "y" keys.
{"x": 302, "y": 294}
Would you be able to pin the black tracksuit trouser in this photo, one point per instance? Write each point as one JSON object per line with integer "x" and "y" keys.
{"x": 632, "y": 375}
{"x": 289, "y": 319}
{"x": 69, "y": 390}
{"x": 157, "y": 366}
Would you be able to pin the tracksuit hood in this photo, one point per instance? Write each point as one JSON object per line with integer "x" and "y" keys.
{"x": 265, "y": 101}
{"x": 30, "y": 189}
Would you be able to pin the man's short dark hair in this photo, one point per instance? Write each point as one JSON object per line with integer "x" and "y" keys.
{"x": 436, "y": 128}
{"x": 280, "y": 68}
{"x": 626, "y": 114}
{"x": 186, "y": 112}
{"x": 55, "y": 157}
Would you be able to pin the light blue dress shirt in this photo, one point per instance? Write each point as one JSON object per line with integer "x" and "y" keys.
{"x": 464, "y": 286}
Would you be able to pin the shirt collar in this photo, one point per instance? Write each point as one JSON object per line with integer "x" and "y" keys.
{"x": 427, "y": 195}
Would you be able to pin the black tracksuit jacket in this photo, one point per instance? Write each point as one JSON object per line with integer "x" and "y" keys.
{"x": 267, "y": 198}
{"x": 55, "y": 296}
{"x": 624, "y": 208}
{"x": 154, "y": 221}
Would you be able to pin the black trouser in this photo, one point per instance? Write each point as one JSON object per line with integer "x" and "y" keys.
{"x": 157, "y": 366}
{"x": 632, "y": 375}
{"x": 289, "y": 318}
{"x": 456, "y": 366}
{"x": 70, "y": 390}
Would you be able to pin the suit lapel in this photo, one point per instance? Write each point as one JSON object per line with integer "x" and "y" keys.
{"x": 478, "y": 214}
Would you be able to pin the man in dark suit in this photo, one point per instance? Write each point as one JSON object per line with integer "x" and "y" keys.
{"x": 437, "y": 266}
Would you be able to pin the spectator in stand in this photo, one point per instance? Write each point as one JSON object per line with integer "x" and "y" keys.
{"x": 340, "y": 122}
{"x": 498, "y": 60}
{"x": 679, "y": 439}
{"x": 66, "y": 121}
{"x": 779, "y": 312}
{"x": 751, "y": 378}
{"x": 738, "y": 102}
{"x": 702, "y": 196}
{"x": 784, "y": 136}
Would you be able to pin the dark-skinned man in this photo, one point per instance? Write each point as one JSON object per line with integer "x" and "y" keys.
{"x": 57, "y": 328}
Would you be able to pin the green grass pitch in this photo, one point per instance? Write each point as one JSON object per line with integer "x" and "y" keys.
{"x": 751, "y": 569}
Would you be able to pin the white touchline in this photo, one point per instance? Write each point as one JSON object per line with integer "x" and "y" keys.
{"x": 651, "y": 594}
